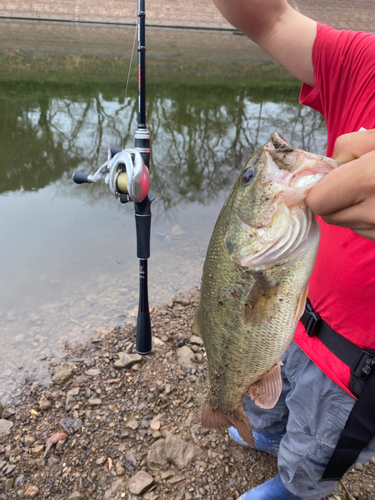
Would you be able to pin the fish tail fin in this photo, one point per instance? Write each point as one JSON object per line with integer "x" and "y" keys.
{"x": 220, "y": 421}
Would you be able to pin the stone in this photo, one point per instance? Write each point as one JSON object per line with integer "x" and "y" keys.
{"x": 140, "y": 482}
{"x": 73, "y": 392}
{"x": 29, "y": 440}
{"x": 156, "y": 456}
{"x": 155, "y": 425}
{"x": 95, "y": 401}
{"x": 116, "y": 490}
{"x": 185, "y": 357}
{"x": 179, "y": 452}
{"x": 129, "y": 457}
{"x": 9, "y": 483}
{"x": 176, "y": 479}
{"x": 127, "y": 360}
{"x": 53, "y": 460}
{"x": 70, "y": 400}
{"x": 168, "y": 388}
{"x": 101, "y": 460}
{"x": 93, "y": 372}
{"x": 62, "y": 374}
{"x": 19, "y": 480}
{"x": 71, "y": 425}
{"x": 45, "y": 404}
{"x": 5, "y": 427}
{"x": 120, "y": 471}
{"x": 32, "y": 492}
{"x": 9, "y": 469}
{"x": 134, "y": 424}
{"x": 195, "y": 340}
{"x": 1, "y": 409}
{"x": 37, "y": 450}
{"x": 157, "y": 342}
{"x": 76, "y": 495}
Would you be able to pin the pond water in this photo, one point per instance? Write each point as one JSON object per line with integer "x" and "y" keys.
{"x": 68, "y": 252}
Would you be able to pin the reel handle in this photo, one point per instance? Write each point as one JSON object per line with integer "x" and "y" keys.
{"x": 80, "y": 177}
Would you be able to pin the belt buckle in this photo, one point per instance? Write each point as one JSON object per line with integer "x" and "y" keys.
{"x": 312, "y": 320}
{"x": 365, "y": 365}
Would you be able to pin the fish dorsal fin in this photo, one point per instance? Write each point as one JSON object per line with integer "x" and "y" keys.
{"x": 266, "y": 391}
{"x": 196, "y": 328}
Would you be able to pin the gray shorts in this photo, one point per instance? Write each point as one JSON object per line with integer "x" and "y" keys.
{"x": 314, "y": 410}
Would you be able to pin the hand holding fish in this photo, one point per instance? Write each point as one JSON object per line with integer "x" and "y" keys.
{"x": 346, "y": 196}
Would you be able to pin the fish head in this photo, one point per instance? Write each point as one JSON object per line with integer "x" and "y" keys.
{"x": 268, "y": 218}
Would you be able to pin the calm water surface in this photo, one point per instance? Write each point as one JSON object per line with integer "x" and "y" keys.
{"x": 68, "y": 252}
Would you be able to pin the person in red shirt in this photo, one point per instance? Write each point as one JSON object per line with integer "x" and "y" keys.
{"x": 337, "y": 69}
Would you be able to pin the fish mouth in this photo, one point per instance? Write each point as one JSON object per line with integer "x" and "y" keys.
{"x": 297, "y": 168}
{"x": 311, "y": 170}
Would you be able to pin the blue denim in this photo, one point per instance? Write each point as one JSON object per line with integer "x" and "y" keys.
{"x": 265, "y": 441}
{"x": 273, "y": 489}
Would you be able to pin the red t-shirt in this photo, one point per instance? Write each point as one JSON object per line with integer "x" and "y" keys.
{"x": 342, "y": 285}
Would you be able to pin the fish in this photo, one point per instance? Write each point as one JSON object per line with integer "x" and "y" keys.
{"x": 255, "y": 280}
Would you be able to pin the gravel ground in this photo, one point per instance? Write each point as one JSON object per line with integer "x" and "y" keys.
{"x": 113, "y": 425}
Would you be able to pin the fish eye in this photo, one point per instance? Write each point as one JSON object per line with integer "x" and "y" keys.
{"x": 248, "y": 175}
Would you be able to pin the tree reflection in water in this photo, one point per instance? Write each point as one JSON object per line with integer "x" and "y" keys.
{"x": 200, "y": 135}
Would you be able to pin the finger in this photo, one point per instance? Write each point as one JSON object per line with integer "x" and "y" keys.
{"x": 335, "y": 191}
{"x": 351, "y": 146}
{"x": 355, "y": 218}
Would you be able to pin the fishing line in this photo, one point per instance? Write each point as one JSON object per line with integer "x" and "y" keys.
{"x": 130, "y": 67}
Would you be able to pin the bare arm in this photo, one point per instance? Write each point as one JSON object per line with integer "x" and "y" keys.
{"x": 284, "y": 33}
{"x": 346, "y": 196}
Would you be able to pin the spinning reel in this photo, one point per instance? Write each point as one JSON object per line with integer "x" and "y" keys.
{"x": 125, "y": 173}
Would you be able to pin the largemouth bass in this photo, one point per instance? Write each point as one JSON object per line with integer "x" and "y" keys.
{"x": 255, "y": 280}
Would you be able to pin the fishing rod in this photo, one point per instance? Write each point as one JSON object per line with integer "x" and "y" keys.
{"x": 126, "y": 172}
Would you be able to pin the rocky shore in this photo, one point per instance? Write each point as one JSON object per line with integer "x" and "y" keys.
{"x": 116, "y": 425}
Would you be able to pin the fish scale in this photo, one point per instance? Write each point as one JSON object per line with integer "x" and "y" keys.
{"x": 254, "y": 284}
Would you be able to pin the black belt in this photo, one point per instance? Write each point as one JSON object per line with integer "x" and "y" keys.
{"x": 360, "y": 426}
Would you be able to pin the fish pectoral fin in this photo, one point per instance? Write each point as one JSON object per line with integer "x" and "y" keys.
{"x": 266, "y": 391}
{"x": 220, "y": 421}
{"x": 196, "y": 328}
